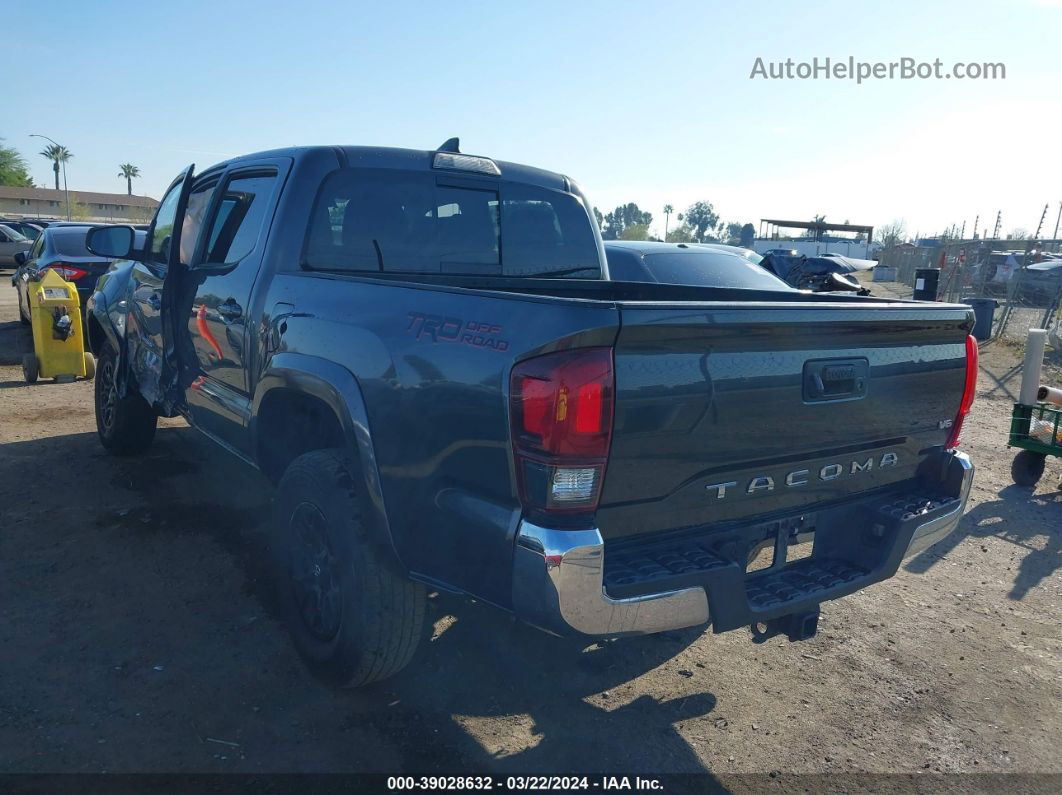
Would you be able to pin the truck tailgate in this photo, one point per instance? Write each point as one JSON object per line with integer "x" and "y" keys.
{"x": 726, "y": 413}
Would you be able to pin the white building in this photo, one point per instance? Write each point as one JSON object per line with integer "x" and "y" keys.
{"x": 30, "y": 203}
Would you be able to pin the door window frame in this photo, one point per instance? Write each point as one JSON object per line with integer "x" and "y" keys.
{"x": 211, "y": 179}
{"x": 270, "y": 168}
{"x": 178, "y": 184}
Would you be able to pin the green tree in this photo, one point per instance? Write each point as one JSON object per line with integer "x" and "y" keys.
{"x": 57, "y": 154}
{"x": 668, "y": 209}
{"x": 680, "y": 234}
{"x": 748, "y": 234}
{"x": 128, "y": 170}
{"x": 599, "y": 218}
{"x": 701, "y": 217}
{"x": 623, "y": 216}
{"x": 13, "y": 168}
{"x": 716, "y": 234}
{"x": 79, "y": 211}
{"x": 635, "y": 232}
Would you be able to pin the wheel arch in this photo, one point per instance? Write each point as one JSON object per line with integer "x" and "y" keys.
{"x": 101, "y": 328}
{"x": 308, "y": 385}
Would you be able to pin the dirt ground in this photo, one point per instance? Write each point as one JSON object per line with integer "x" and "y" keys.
{"x": 138, "y": 633}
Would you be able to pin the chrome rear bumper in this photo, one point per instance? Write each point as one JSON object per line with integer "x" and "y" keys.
{"x": 558, "y": 585}
{"x": 960, "y": 476}
{"x": 558, "y": 576}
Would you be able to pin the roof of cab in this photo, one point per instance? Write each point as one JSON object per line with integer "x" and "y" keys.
{"x": 412, "y": 159}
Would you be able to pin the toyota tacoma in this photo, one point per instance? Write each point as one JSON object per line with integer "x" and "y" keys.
{"x": 424, "y": 351}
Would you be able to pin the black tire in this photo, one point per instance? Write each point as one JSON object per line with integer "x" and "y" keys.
{"x": 126, "y": 425}
{"x": 1027, "y": 468}
{"x": 30, "y": 368}
{"x": 354, "y": 619}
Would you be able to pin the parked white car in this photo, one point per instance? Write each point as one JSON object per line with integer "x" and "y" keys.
{"x": 12, "y": 242}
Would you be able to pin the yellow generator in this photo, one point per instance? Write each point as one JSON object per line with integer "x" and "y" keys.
{"x": 58, "y": 336}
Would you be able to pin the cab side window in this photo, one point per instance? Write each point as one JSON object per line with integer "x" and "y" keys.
{"x": 241, "y": 215}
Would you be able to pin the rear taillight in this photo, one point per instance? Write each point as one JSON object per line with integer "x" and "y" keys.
{"x": 561, "y": 414}
{"x": 969, "y": 390}
{"x": 69, "y": 272}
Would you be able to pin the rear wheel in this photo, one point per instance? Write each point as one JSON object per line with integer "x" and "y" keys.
{"x": 1027, "y": 468}
{"x": 353, "y": 619}
{"x": 126, "y": 425}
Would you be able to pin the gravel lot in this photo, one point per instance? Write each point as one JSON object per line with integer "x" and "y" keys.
{"x": 139, "y": 634}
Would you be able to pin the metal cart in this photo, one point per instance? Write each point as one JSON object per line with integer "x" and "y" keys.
{"x": 1037, "y": 431}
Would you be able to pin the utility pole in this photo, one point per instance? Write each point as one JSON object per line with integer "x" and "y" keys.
{"x": 999, "y": 223}
{"x": 976, "y": 219}
{"x": 962, "y": 231}
{"x": 1040, "y": 225}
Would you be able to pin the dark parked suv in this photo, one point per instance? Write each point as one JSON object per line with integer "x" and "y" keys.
{"x": 423, "y": 350}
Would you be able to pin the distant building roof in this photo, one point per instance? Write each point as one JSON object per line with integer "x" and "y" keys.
{"x": 85, "y": 197}
{"x": 818, "y": 226}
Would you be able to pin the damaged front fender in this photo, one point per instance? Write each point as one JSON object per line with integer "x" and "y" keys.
{"x": 107, "y": 310}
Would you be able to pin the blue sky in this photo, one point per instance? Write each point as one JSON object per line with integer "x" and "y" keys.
{"x": 641, "y": 102}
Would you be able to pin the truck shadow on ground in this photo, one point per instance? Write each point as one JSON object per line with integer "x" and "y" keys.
{"x": 1018, "y": 517}
{"x": 486, "y": 694}
{"x": 561, "y": 703}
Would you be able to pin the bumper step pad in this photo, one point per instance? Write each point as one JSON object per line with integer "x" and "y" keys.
{"x": 911, "y": 505}
{"x": 648, "y": 565}
{"x": 799, "y": 580}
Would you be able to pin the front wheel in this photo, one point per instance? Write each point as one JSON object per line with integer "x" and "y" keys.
{"x": 354, "y": 620}
{"x": 126, "y": 425}
{"x": 1027, "y": 468}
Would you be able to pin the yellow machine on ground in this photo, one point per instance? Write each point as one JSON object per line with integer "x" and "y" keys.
{"x": 58, "y": 336}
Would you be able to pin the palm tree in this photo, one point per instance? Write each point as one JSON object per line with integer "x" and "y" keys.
{"x": 668, "y": 209}
{"x": 129, "y": 171}
{"x": 57, "y": 154}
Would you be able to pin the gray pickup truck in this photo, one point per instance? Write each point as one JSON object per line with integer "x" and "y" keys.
{"x": 423, "y": 350}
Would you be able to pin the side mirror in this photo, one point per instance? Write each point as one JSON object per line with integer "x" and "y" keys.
{"x": 113, "y": 242}
{"x": 20, "y": 257}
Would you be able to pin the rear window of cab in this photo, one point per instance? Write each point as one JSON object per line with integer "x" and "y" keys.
{"x": 393, "y": 221}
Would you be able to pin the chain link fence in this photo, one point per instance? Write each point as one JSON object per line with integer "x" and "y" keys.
{"x": 1024, "y": 278}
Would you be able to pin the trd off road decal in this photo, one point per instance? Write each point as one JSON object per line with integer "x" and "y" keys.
{"x": 437, "y": 328}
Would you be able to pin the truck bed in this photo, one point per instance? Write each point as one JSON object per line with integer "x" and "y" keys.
{"x": 716, "y": 386}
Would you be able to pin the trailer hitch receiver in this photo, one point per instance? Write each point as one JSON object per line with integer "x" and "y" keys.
{"x": 795, "y": 626}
